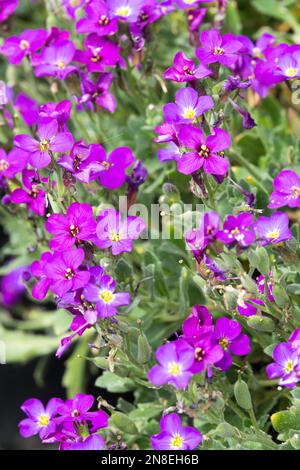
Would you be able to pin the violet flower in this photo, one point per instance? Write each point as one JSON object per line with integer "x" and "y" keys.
{"x": 117, "y": 234}
{"x": 260, "y": 281}
{"x": 188, "y": 106}
{"x": 286, "y": 365}
{"x": 32, "y": 195}
{"x": 77, "y": 409}
{"x": 205, "y": 152}
{"x": 125, "y": 10}
{"x": 7, "y": 8}
{"x": 55, "y": 61}
{"x": 12, "y": 285}
{"x": 198, "y": 323}
{"x": 170, "y": 152}
{"x": 83, "y": 161}
{"x": 207, "y": 352}
{"x": 12, "y": 163}
{"x": 247, "y": 309}
{"x": 92, "y": 442}
{"x": 76, "y": 226}
{"x": 97, "y": 93}
{"x": 198, "y": 239}
{"x": 237, "y": 230}
{"x": 50, "y": 140}
{"x": 175, "y": 360}
{"x": 274, "y": 229}
{"x": 286, "y": 190}
{"x": 99, "y": 53}
{"x": 38, "y": 270}
{"x": 217, "y": 48}
{"x": 97, "y": 20}
{"x": 71, "y": 7}
{"x": 41, "y": 420}
{"x": 185, "y": 70}
{"x": 228, "y": 334}
{"x": 174, "y": 436}
{"x": 59, "y": 111}
{"x": 28, "y": 108}
{"x": 113, "y": 165}
{"x": 15, "y": 48}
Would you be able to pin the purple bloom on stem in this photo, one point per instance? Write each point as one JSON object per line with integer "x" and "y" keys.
{"x": 15, "y": 48}
{"x": 64, "y": 271}
{"x": 76, "y": 226}
{"x": 55, "y": 60}
{"x": 60, "y": 111}
{"x": 196, "y": 324}
{"x": 175, "y": 360}
{"x": 117, "y": 234}
{"x": 260, "y": 281}
{"x": 33, "y": 196}
{"x": 168, "y": 132}
{"x": 205, "y": 152}
{"x": 174, "y": 436}
{"x": 50, "y": 140}
{"x": 28, "y": 109}
{"x": 13, "y": 163}
{"x": 228, "y": 334}
{"x": 99, "y": 53}
{"x": 114, "y": 165}
{"x": 137, "y": 177}
{"x": 286, "y": 365}
{"x": 98, "y": 93}
{"x": 77, "y": 409}
{"x": 247, "y": 309}
{"x": 294, "y": 339}
{"x": 92, "y": 442}
{"x": 237, "y": 230}
{"x": 41, "y": 420}
{"x": 103, "y": 295}
{"x": 218, "y": 48}
{"x": 198, "y": 239}
{"x": 84, "y": 161}
{"x": 274, "y": 229}
{"x": 207, "y": 352}
{"x": 126, "y": 10}
{"x": 188, "y": 106}
{"x": 98, "y": 20}
{"x": 38, "y": 269}
{"x": 286, "y": 190}
{"x": 170, "y": 152}
{"x": 185, "y": 70}
{"x": 12, "y": 285}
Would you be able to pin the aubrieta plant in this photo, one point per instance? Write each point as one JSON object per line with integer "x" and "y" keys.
{"x": 121, "y": 120}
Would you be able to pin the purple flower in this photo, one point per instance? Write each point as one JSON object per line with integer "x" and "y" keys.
{"x": 40, "y": 419}
{"x": 114, "y": 165}
{"x": 103, "y": 295}
{"x": 170, "y": 152}
{"x": 126, "y": 10}
{"x": 71, "y": 7}
{"x": 28, "y": 109}
{"x": 137, "y": 177}
{"x": 207, "y": 352}
{"x": 92, "y": 442}
{"x": 33, "y": 196}
{"x": 198, "y": 323}
{"x": 77, "y": 409}
{"x": 174, "y": 436}
{"x": 286, "y": 190}
{"x": 195, "y": 18}
{"x": 217, "y": 48}
{"x": 64, "y": 271}
{"x": 168, "y": 132}
{"x": 59, "y": 111}
{"x": 98, "y": 93}
{"x": 248, "y": 121}
{"x": 50, "y": 140}
{"x": 83, "y": 161}
{"x": 235, "y": 83}
{"x": 175, "y": 360}
{"x": 185, "y": 70}
{"x": 12, "y": 163}
{"x": 76, "y": 226}
{"x": 198, "y": 239}
{"x": 260, "y": 281}
{"x": 237, "y": 230}
{"x": 99, "y": 53}
{"x": 12, "y": 285}
{"x": 38, "y": 270}
{"x": 274, "y": 229}
{"x": 206, "y": 151}
{"x": 98, "y": 20}
{"x": 7, "y": 8}
{"x": 188, "y": 106}
{"x": 117, "y": 234}
{"x": 15, "y": 48}
{"x": 228, "y": 334}
{"x": 54, "y": 61}
{"x": 286, "y": 365}
{"x": 245, "y": 308}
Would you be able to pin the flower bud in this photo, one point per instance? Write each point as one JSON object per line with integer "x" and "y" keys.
{"x": 242, "y": 395}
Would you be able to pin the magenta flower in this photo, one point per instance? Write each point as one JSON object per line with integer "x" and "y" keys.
{"x": 12, "y": 285}
{"x": 126, "y": 10}
{"x": 64, "y": 271}
{"x": 113, "y": 165}
{"x": 198, "y": 239}
{"x": 92, "y": 442}
{"x": 185, "y": 70}
{"x": 245, "y": 306}
{"x": 97, "y": 20}
{"x": 218, "y": 48}
{"x": 77, "y": 409}
{"x": 197, "y": 324}
{"x": 237, "y": 230}
{"x": 117, "y": 234}
{"x": 38, "y": 270}
{"x": 175, "y": 360}
{"x": 12, "y": 163}
{"x": 28, "y": 108}
{"x": 207, "y": 352}
{"x": 15, "y": 48}
{"x": 99, "y": 53}
{"x": 195, "y": 18}
{"x": 170, "y": 152}
{"x": 228, "y": 334}
{"x": 7, "y": 8}
{"x": 50, "y": 140}
{"x": 97, "y": 94}
{"x": 274, "y": 229}
{"x": 71, "y": 7}
{"x": 288, "y": 66}
{"x": 174, "y": 436}
{"x": 40, "y": 419}
{"x": 286, "y": 190}
{"x": 286, "y": 365}
{"x": 59, "y": 111}
{"x": 103, "y": 295}
{"x": 32, "y": 195}
{"x": 83, "y": 161}
{"x": 76, "y": 226}
{"x": 260, "y": 281}
{"x": 188, "y": 106}
{"x": 55, "y": 61}
{"x": 205, "y": 151}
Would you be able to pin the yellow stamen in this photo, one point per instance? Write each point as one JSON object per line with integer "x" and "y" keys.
{"x": 274, "y": 235}
{"x": 224, "y": 343}
{"x": 61, "y": 64}
{"x": 289, "y": 367}
{"x": 174, "y": 369}
{"x": 123, "y": 11}
{"x": 44, "y": 420}
{"x": 114, "y": 236}
{"x": 218, "y": 51}
{"x": 106, "y": 296}
{"x": 291, "y": 72}
{"x": 177, "y": 441}
{"x": 44, "y": 145}
{"x": 189, "y": 113}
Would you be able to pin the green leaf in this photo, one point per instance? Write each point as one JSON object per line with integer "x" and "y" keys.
{"x": 113, "y": 383}
{"x": 123, "y": 423}
{"x": 74, "y": 377}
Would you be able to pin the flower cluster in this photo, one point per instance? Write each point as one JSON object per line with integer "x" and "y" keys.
{"x": 286, "y": 365}
{"x": 202, "y": 346}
